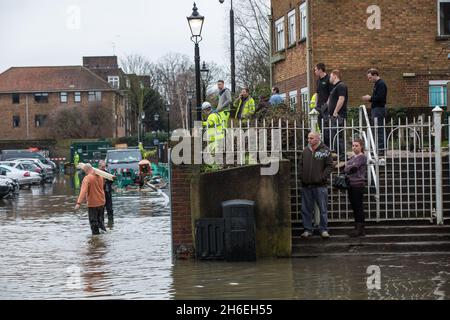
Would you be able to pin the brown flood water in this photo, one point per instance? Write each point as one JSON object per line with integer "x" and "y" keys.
{"x": 47, "y": 252}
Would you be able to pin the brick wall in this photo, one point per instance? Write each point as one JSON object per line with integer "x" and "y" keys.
{"x": 8, "y": 110}
{"x": 182, "y": 237}
{"x": 406, "y": 43}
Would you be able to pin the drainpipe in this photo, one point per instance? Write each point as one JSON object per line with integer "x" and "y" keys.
{"x": 308, "y": 48}
{"x": 270, "y": 49}
{"x": 28, "y": 126}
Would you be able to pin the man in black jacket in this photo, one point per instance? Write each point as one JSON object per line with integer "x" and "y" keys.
{"x": 324, "y": 88}
{"x": 378, "y": 100}
{"x": 108, "y": 195}
{"x": 316, "y": 165}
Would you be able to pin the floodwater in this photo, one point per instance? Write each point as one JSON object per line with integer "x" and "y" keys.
{"x": 47, "y": 252}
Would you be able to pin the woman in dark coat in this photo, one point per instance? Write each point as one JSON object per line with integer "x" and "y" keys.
{"x": 356, "y": 170}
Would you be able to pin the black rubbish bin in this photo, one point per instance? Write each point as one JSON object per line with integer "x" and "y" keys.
{"x": 240, "y": 230}
{"x": 209, "y": 238}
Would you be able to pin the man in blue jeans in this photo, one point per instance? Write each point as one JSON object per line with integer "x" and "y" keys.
{"x": 316, "y": 165}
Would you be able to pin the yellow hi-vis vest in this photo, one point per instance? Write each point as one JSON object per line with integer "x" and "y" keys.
{"x": 313, "y": 102}
{"x": 215, "y": 126}
{"x": 248, "y": 110}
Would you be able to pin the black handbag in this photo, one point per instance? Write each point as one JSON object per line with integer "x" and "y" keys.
{"x": 341, "y": 182}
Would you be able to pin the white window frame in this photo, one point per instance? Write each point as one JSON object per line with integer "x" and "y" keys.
{"x": 292, "y": 28}
{"x": 304, "y": 21}
{"x": 304, "y": 95}
{"x": 95, "y": 96}
{"x": 440, "y": 32}
{"x": 293, "y": 100}
{"x": 75, "y": 95}
{"x": 64, "y": 97}
{"x": 438, "y": 83}
{"x": 114, "y": 81}
{"x": 279, "y": 34}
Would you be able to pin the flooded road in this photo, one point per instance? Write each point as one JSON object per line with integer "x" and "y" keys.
{"x": 47, "y": 252}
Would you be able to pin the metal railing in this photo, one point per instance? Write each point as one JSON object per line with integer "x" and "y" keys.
{"x": 406, "y": 183}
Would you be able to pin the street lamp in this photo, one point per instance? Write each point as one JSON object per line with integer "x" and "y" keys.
{"x": 168, "y": 121}
{"x": 143, "y": 126}
{"x": 205, "y": 75}
{"x": 196, "y": 25}
{"x": 233, "y": 65}
{"x": 190, "y": 96}
{"x": 141, "y": 113}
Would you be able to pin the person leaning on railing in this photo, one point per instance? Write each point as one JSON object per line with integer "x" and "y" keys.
{"x": 356, "y": 170}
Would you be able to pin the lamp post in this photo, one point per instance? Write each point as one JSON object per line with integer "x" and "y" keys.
{"x": 233, "y": 64}
{"x": 190, "y": 96}
{"x": 143, "y": 126}
{"x": 196, "y": 25}
{"x": 141, "y": 113}
{"x": 168, "y": 121}
{"x": 205, "y": 74}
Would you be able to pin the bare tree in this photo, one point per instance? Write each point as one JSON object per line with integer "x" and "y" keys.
{"x": 74, "y": 123}
{"x": 253, "y": 43}
{"x": 138, "y": 65}
{"x": 174, "y": 77}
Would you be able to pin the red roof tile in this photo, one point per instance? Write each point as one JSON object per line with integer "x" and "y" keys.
{"x": 51, "y": 79}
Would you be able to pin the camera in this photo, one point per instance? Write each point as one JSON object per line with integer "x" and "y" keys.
{"x": 221, "y": 1}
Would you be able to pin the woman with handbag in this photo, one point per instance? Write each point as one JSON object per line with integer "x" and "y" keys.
{"x": 356, "y": 171}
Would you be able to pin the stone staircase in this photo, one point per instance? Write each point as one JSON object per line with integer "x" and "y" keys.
{"x": 407, "y": 223}
{"x": 397, "y": 237}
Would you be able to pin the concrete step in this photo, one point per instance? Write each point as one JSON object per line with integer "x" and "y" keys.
{"x": 374, "y": 238}
{"x": 396, "y": 237}
{"x": 344, "y": 229}
{"x": 361, "y": 247}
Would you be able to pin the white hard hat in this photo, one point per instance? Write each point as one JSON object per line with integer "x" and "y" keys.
{"x": 206, "y": 105}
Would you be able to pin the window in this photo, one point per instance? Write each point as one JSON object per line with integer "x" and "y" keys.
{"x": 128, "y": 83}
{"x": 95, "y": 96}
{"x": 77, "y": 97}
{"x": 279, "y": 29}
{"x": 15, "y": 98}
{"x": 291, "y": 27}
{"x": 63, "y": 97}
{"x": 304, "y": 94}
{"x": 16, "y": 121}
{"x": 41, "y": 97}
{"x": 303, "y": 22}
{"x": 113, "y": 81}
{"x": 293, "y": 100}
{"x": 444, "y": 17}
{"x": 438, "y": 93}
{"x": 40, "y": 120}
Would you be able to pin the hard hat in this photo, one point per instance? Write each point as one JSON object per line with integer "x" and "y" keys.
{"x": 206, "y": 105}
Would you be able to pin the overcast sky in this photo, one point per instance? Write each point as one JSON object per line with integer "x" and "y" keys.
{"x": 49, "y": 32}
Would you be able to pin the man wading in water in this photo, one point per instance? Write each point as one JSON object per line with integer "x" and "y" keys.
{"x": 92, "y": 192}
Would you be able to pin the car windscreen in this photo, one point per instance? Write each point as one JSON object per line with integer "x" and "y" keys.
{"x": 124, "y": 156}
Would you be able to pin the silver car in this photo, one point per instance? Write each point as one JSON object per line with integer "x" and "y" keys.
{"x": 25, "y": 178}
{"x": 32, "y": 165}
{"x": 48, "y": 168}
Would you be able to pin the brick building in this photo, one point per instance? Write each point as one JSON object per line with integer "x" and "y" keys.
{"x": 28, "y": 95}
{"x": 407, "y": 40}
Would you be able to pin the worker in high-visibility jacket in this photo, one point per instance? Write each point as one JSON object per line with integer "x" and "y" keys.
{"x": 214, "y": 124}
{"x": 245, "y": 106}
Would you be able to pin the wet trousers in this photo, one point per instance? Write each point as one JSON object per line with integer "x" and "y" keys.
{"x": 96, "y": 219}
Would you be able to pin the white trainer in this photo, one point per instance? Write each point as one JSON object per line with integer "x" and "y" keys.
{"x": 325, "y": 235}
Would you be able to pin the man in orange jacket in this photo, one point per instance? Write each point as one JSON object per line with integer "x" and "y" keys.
{"x": 92, "y": 192}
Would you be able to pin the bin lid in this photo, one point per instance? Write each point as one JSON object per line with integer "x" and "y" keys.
{"x": 238, "y": 203}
